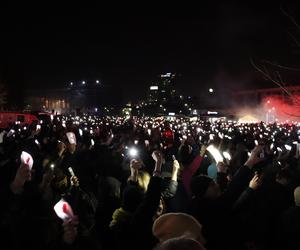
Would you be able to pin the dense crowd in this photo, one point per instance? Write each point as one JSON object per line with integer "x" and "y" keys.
{"x": 86, "y": 182}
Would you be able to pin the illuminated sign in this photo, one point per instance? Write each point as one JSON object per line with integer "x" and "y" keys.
{"x": 212, "y": 112}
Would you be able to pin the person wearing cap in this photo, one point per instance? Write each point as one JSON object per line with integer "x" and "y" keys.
{"x": 212, "y": 208}
{"x": 173, "y": 225}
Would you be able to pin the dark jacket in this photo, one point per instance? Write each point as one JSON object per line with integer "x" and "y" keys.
{"x": 215, "y": 215}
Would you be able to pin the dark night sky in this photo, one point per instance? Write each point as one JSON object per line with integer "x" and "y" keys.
{"x": 128, "y": 49}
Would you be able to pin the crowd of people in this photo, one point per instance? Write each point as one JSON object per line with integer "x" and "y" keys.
{"x": 87, "y": 182}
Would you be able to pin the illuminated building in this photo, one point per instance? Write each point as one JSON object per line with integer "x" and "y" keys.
{"x": 83, "y": 96}
{"x": 162, "y": 90}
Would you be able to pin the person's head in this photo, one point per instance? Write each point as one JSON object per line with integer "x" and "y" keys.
{"x": 180, "y": 243}
{"x": 131, "y": 198}
{"x": 297, "y": 196}
{"x": 172, "y": 225}
{"x": 203, "y": 186}
{"x": 185, "y": 154}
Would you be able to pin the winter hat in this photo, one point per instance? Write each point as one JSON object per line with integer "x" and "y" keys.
{"x": 297, "y": 196}
{"x": 172, "y": 225}
{"x": 199, "y": 185}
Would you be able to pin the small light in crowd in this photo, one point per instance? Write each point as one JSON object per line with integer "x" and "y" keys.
{"x": 133, "y": 152}
{"x": 71, "y": 83}
{"x": 136, "y": 142}
{"x": 52, "y": 166}
{"x": 97, "y": 81}
{"x": 211, "y": 90}
{"x": 83, "y": 82}
{"x": 92, "y": 142}
{"x": 227, "y": 156}
{"x": 288, "y": 147}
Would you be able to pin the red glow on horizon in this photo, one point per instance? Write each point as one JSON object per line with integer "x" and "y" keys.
{"x": 283, "y": 109}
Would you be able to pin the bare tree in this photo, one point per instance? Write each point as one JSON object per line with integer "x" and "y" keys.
{"x": 271, "y": 70}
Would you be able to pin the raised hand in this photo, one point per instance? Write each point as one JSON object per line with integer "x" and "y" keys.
{"x": 23, "y": 174}
{"x": 255, "y": 156}
{"x": 256, "y": 181}
{"x": 70, "y": 230}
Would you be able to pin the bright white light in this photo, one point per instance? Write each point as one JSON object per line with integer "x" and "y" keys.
{"x": 71, "y": 83}
{"x": 83, "y": 82}
{"x": 171, "y": 114}
{"x": 211, "y": 90}
{"x": 215, "y": 153}
{"x": 133, "y": 152}
{"x": 37, "y": 142}
{"x": 227, "y": 156}
{"x": 71, "y": 171}
{"x": 153, "y": 87}
{"x": 96, "y": 109}
{"x": 97, "y": 81}
{"x": 288, "y": 147}
{"x": 136, "y": 142}
{"x": 52, "y": 166}
{"x": 92, "y": 142}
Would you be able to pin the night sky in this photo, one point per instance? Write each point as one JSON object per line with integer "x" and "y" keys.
{"x": 129, "y": 48}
